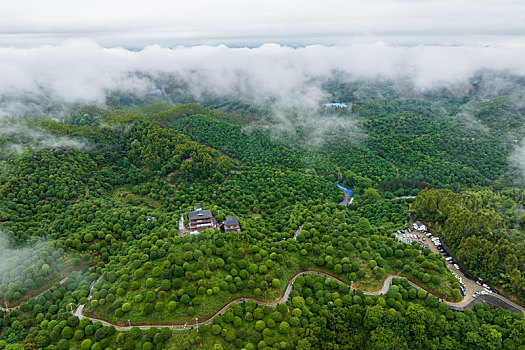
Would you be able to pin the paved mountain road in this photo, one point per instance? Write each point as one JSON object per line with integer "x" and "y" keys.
{"x": 386, "y": 286}
{"x": 384, "y": 289}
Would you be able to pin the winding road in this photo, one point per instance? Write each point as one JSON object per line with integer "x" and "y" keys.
{"x": 386, "y": 286}
{"x": 347, "y": 199}
{"x": 465, "y": 303}
{"x": 494, "y": 299}
{"x": 297, "y": 232}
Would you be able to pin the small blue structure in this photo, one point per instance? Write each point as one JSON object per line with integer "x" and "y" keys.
{"x": 350, "y": 193}
{"x": 335, "y": 105}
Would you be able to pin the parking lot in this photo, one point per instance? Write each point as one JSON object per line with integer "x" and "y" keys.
{"x": 427, "y": 240}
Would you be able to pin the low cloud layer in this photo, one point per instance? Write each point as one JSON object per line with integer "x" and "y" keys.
{"x": 20, "y": 135}
{"x": 83, "y": 71}
{"x": 518, "y": 157}
{"x": 24, "y": 266}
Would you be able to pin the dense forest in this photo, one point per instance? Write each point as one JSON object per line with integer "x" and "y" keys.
{"x": 480, "y": 228}
{"x": 74, "y": 229}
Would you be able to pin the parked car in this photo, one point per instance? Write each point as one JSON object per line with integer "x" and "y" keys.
{"x": 456, "y": 266}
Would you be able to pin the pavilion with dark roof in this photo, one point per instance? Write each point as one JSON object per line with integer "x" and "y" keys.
{"x": 231, "y": 224}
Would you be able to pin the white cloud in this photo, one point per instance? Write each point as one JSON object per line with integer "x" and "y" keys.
{"x": 82, "y": 70}
{"x": 518, "y": 157}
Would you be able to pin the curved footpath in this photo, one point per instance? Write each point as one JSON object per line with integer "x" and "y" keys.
{"x": 386, "y": 286}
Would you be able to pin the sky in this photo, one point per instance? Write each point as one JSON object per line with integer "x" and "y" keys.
{"x": 136, "y": 24}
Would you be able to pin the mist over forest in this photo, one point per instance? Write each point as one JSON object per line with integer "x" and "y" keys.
{"x": 280, "y": 87}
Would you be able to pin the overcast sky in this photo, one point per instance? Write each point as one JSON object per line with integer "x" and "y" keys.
{"x": 135, "y": 24}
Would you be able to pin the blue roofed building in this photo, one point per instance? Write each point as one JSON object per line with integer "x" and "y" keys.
{"x": 335, "y": 105}
{"x": 349, "y": 192}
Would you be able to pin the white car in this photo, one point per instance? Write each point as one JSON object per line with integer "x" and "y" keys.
{"x": 456, "y": 266}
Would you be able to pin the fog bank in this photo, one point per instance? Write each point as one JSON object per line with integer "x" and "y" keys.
{"x": 83, "y": 71}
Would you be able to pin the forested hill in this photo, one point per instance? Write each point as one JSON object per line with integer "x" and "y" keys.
{"x": 410, "y": 145}
{"x": 90, "y": 214}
